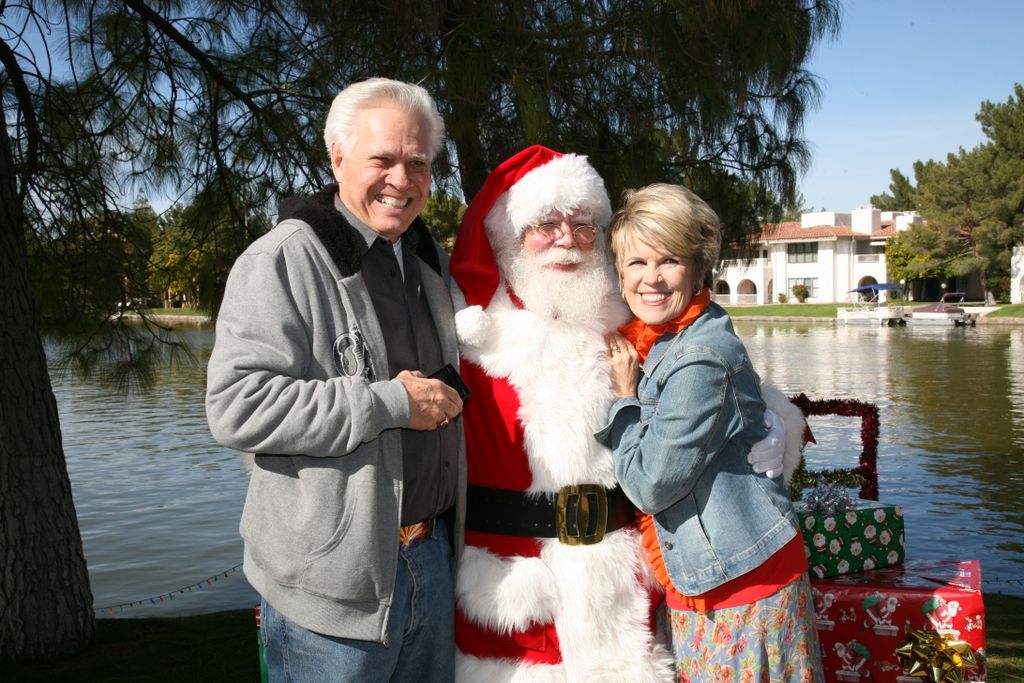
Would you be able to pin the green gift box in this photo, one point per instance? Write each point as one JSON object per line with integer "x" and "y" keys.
{"x": 868, "y": 537}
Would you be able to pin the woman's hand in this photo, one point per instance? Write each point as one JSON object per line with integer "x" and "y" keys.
{"x": 624, "y": 365}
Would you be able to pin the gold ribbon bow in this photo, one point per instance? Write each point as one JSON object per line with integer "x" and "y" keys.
{"x": 929, "y": 655}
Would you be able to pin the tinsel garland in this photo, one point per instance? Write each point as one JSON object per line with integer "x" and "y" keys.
{"x": 865, "y": 474}
{"x": 828, "y": 498}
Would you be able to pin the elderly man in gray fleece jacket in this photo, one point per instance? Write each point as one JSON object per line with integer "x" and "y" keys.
{"x": 330, "y": 326}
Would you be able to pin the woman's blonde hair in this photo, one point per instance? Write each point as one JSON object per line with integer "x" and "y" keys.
{"x": 671, "y": 217}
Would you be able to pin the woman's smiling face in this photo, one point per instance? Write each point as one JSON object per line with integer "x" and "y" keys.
{"x": 656, "y": 284}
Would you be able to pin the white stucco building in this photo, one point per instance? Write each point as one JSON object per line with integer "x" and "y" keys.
{"x": 1017, "y": 276}
{"x": 829, "y": 252}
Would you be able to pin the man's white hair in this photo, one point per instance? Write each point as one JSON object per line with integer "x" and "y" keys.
{"x": 375, "y": 92}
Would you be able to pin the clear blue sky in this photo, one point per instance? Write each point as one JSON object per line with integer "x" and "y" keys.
{"x": 903, "y": 83}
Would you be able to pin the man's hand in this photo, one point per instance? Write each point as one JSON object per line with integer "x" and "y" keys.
{"x": 432, "y": 403}
{"x": 766, "y": 455}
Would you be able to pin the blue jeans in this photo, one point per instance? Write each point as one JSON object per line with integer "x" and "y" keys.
{"x": 421, "y": 630}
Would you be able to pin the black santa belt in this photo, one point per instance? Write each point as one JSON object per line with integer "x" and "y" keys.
{"x": 578, "y": 515}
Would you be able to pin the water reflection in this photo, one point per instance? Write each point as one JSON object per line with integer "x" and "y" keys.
{"x": 950, "y": 403}
{"x": 159, "y": 502}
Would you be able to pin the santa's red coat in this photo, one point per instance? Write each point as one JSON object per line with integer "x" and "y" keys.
{"x": 533, "y": 608}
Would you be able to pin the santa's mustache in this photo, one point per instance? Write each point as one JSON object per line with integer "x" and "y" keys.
{"x": 560, "y": 256}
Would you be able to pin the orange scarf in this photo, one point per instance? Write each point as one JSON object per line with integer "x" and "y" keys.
{"x": 642, "y": 336}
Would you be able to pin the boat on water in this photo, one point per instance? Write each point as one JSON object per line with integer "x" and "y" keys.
{"x": 872, "y": 309}
{"x": 946, "y": 311}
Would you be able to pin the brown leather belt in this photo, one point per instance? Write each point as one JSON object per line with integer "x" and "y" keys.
{"x": 412, "y": 535}
{"x": 580, "y": 514}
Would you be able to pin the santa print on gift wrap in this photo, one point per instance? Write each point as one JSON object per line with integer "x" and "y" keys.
{"x": 942, "y": 597}
{"x": 940, "y": 614}
{"x": 865, "y": 474}
{"x": 853, "y": 655}
{"x": 879, "y": 609}
{"x": 867, "y": 537}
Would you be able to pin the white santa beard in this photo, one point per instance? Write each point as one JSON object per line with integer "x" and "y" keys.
{"x": 575, "y": 296}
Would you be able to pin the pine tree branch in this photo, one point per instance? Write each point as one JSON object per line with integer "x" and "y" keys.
{"x": 28, "y": 112}
{"x": 202, "y": 59}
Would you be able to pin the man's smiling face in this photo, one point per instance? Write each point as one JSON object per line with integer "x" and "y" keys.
{"x": 384, "y": 179}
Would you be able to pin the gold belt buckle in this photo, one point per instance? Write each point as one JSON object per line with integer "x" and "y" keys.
{"x": 591, "y": 505}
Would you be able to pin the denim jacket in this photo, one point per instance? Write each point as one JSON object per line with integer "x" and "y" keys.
{"x": 680, "y": 452}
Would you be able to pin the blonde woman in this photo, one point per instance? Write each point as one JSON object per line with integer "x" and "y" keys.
{"x": 722, "y": 539}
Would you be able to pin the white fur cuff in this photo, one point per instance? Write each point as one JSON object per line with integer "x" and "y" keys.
{"x": 472, "y": 325}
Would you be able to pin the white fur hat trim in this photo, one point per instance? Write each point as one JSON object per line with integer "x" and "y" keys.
{"x": 564, "y": 184}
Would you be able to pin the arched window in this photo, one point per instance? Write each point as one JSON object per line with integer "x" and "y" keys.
{"x": 746, "y": 292}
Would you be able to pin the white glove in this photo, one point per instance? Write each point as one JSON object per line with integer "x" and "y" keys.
{"x": 766, "y": 455}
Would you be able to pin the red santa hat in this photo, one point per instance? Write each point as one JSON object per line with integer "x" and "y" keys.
{"x": 525, "y": 188}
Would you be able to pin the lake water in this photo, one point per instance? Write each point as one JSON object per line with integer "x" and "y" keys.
{"x": 158, "y": 501}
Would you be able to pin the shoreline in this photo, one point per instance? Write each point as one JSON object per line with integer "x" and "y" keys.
{"x": 981, "y": 319}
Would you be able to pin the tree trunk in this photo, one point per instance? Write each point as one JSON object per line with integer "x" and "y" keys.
{"x": 466, "y": 86}
{"x": 45, "y": 597}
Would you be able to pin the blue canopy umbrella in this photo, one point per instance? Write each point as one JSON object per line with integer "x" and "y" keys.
{"x": 878, "y": 286}
{"x": 870, "y": 292}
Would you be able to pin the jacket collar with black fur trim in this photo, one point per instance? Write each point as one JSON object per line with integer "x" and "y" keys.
{"x": 340, "y": 239}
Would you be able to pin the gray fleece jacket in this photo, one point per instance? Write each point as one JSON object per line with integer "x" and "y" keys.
{"x": 299, "y": 376}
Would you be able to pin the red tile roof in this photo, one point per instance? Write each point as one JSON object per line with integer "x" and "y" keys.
{"x": 791, "y": 230}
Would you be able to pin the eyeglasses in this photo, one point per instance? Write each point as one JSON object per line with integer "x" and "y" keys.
{"x": 583, "y": 233}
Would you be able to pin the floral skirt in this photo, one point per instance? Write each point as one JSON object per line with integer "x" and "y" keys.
{"x": 770, "y": 640}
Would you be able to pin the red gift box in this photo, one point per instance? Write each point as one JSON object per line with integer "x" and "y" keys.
{"x": 863, "y": 618}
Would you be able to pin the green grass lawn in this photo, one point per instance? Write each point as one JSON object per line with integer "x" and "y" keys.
{"x": 829, "y": 310}
{"x": 1010, "y": 311}
{"x": 222, "y": 647}
{"x": 176, "y": 311}
{"x": 1004, "y": 637}
{"x": 209, "y": 647}
{"x": 786, "y": 310}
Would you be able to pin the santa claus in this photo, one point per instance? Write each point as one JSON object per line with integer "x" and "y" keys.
{"x": 553, "y": 584}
